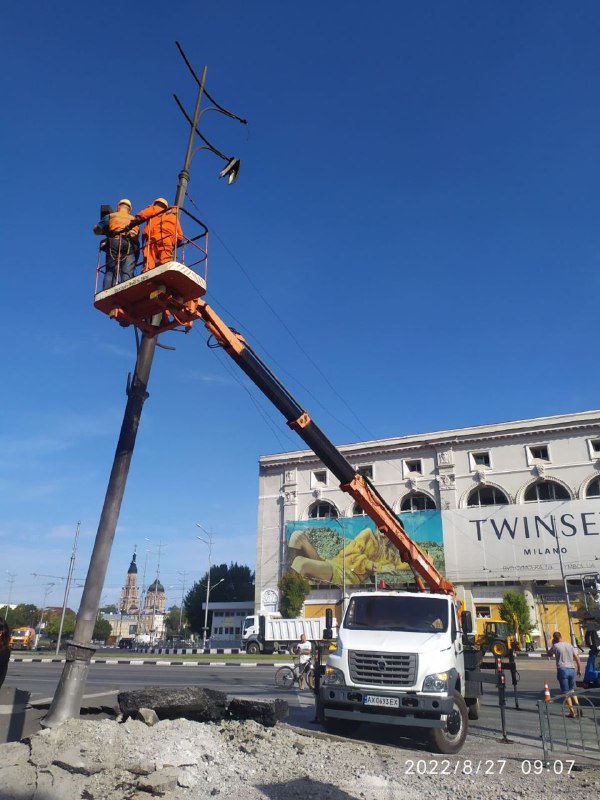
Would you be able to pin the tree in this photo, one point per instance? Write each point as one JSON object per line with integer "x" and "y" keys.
{"x": 237, "y": 586}
{"x": 25, "y": 615}
{"x": 102, "y": 630}
{"x": 293, "y": 589}
{"x": 52, "y": 623}
{"x": 515, "y": 612}
{"x": 172, "y": 621}
{"x": 111, "y": 609}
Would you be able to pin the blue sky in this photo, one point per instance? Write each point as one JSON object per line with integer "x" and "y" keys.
{"x": 418, "y": 202}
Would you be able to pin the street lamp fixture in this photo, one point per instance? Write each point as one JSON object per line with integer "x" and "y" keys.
{"x": 231, "y": 171}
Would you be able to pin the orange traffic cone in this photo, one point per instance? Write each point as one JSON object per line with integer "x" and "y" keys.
{"x": 547, "y": 695}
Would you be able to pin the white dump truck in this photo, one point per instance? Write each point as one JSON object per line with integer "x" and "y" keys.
{"x": 269, "y": 632}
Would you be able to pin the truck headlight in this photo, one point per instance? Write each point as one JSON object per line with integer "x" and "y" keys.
{"x": 438, "y": 682}
{"x": 333, "y": 677}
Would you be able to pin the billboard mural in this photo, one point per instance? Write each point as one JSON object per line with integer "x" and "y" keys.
{"x": 325, "y": 551}
{"x": 515, "y": 542}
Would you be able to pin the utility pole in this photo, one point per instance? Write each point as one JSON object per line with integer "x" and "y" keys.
{"x": 68, "y": 586}
{"x": 562, "y": 572}
{"x": 184, "y": 575}
{"x": 209, "y": 542}
{"x": 10, "y": 580}
{"x": 69, "y": 692}
{"x": 142, "y": 595}
{"x": 160, "y": 546}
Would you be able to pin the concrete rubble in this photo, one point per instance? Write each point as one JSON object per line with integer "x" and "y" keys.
{"x": 232, "y": 758}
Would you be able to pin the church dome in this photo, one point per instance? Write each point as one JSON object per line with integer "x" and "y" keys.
{"x": 132, "y": 567}
{"x": 156, "y": 586}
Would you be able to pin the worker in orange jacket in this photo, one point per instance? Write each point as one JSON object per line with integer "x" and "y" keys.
{"x": 162, "y": 233}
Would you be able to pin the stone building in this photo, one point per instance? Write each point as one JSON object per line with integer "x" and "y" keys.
{"x": 491, "y": 502}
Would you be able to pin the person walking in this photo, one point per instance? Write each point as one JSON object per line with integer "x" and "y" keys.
{"x": 304, "y": 650}
{"x": 122, "y": 244}
{"x": 4, "y": 649}
{"x": 567, "y": 662}
{"x": 162, "y": 233}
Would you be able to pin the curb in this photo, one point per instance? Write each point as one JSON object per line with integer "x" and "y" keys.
{"x": 158, "y": 662}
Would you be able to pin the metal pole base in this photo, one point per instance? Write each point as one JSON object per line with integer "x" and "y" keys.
{"x": 69, "y": 692}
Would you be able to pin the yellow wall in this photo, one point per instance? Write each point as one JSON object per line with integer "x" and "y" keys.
{"x": 317, "y": 610}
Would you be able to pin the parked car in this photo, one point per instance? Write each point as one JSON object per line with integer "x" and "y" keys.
{"x": 125, "y": 644}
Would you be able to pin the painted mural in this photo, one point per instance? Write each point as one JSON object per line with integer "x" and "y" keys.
{"x": 351, "y": 549}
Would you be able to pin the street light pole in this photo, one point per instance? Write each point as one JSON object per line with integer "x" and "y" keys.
{"x": 11, "y": 580}
{"x": 69, "y": 692}
{"x": 68, "y": 587}
{"x": 209, "y": 542}
{"x": 49, "y": 587}
{"x": 562, "y": 572}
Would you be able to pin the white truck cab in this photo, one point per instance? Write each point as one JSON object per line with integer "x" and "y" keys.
{"x": 399, "y": 661}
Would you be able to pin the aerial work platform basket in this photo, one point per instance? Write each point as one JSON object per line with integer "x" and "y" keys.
{"x": 171, "y": 290}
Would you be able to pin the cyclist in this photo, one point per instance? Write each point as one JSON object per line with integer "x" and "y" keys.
{"x": 304, "y": 650}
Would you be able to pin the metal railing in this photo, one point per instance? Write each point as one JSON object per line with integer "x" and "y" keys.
{"x": 190, "y": 251}
{"x": 560, "y": 732}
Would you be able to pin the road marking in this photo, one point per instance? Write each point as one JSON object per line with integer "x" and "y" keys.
{"x": 44, "y": 700}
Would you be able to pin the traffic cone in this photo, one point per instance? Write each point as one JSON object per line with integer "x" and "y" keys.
{"x": 547, "y": 696}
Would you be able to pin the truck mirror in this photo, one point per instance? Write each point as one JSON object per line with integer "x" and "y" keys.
{"x": 466, "y": 620}
{"x": 328, "y": 630}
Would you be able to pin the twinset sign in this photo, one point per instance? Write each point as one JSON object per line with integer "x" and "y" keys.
{"x": 504, "y": 542}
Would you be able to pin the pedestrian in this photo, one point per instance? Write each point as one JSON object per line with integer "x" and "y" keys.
{"x": 304, "y": 650}
{"x": 4, "y": 649}
{"x": 528, "y": 643}
{"x": 162, "y": 233}
{"x": 567, "y": 661}
{"x": 122, "y": 246}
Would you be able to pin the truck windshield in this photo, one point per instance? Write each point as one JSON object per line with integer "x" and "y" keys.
{"x": 248, "y": 623}
{"x": 418, "y": 614}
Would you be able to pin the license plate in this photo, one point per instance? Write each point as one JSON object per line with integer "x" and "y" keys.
{"x": 375, "y": 700}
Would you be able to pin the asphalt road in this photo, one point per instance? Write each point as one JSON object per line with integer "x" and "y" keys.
{"x": 258, "y": 681}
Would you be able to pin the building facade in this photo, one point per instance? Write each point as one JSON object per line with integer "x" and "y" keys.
{"x": 504, "y": 506}
{"x": 129, "y": 601}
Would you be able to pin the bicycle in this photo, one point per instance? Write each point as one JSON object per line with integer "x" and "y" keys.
{"x": 286, "y": 677}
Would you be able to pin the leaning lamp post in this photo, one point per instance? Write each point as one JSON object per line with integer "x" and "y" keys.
{"x": 69, "y": 692}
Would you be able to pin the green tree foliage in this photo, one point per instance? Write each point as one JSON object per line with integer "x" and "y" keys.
{"x": 515, "y": 611}
{"x": 293, "y": 589}
{"x": 52, "y": 623}
{"x": 102, "y": 630}
{"x": 237, "y": 585}
{"x": 172, "y": 622}
{"x": 25, "y": 615}
{"x": 112, "y": 609}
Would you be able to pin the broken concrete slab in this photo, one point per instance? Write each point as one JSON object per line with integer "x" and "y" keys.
{"x": 266, "y": 712}
{"x": 182, "y": 702}
{"x": 148, "y": 716}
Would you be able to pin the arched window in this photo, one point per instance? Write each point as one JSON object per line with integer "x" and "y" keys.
{"x": 593, "y": 489}
{"x": 417, "y": 501}
{"x": 542, "y": 491}
{"x": 487, "y": 496}
{"x": 357, "y": 511}
{"x": 323, "y": 510}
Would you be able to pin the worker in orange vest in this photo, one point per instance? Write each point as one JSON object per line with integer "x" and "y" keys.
{"x": 162, "y": 233}
{"x": 122, "y": 243}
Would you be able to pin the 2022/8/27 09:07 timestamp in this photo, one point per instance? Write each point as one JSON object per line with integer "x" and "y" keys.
{"x": 488, "y": 766}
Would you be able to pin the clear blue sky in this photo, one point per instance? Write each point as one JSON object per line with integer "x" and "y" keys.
{"x": 418, "y": 201}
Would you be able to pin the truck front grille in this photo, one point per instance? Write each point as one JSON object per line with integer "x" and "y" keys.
{"x": 383, "y": 669}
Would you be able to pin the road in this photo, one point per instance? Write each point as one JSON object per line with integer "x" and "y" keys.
{"x": 258, "y": 682}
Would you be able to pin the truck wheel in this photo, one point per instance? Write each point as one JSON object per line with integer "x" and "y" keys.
{"x": 499, "y": 648}
{"x": 450, "y": 739}
{"x": 253, "y": 649}
{"x": 473, "y": 707}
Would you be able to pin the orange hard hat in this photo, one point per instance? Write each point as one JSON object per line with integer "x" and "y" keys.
{"x": 124, "y": 202}
{"x": 161, "y": 201}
